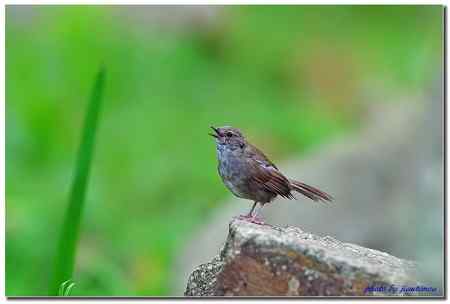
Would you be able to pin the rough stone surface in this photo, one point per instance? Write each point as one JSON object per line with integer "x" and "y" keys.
{"x": 202, "y": 281}
{"x": 264, "y": 260}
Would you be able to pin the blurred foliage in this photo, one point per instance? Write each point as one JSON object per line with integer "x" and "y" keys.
{"x": 290, "y": 77}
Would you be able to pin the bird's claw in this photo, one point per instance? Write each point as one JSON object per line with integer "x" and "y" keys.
{"x": 251, "y": 219}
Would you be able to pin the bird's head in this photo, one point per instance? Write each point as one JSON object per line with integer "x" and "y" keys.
{"x": 229, "y": 136}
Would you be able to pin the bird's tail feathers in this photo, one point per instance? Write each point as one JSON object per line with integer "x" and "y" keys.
{"x": 310, "y": 192}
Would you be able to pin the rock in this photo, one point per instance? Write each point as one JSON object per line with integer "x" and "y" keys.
{"x": 203, "y": 279}
{"x": 265, "y": 260}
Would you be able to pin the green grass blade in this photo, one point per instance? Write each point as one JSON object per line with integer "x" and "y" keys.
{"x": 65, "y": 288}
{"x": 65, "y": 256}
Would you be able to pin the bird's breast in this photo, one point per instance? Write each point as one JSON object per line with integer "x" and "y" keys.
{"x": 230, "y": 164}
{"x": 232, "y": 170}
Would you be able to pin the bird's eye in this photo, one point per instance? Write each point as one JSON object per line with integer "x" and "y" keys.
{"x": 229, "y": 134}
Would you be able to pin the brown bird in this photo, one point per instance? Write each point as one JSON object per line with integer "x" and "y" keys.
{"x": 249, "y": 174}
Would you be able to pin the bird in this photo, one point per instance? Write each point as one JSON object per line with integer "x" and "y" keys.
{"x": 249, "y": 174}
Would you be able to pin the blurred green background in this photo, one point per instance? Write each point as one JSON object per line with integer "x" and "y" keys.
{"x": 291, "y": 77}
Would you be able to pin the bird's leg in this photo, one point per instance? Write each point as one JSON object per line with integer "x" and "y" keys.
{"x": 253, "y": 215}
{"x": 250, "y": 214}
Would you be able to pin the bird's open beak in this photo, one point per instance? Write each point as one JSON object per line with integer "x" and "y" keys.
{"x": 216, "y": 135}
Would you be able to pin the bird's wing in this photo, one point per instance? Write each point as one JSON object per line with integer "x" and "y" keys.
{"x": 255, "y": 153}
{"x": 265, "y": 175}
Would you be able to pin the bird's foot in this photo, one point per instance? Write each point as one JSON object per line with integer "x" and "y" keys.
{"x": 256, "y": 220}
{"x": 251, "y": 219}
